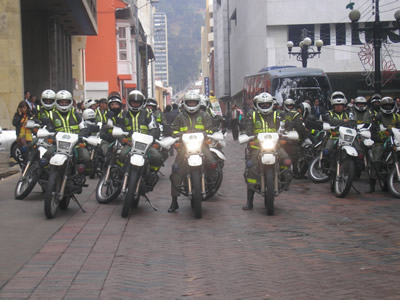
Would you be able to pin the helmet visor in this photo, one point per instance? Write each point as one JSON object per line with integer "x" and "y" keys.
{"x": 48, "y": 100}
{"x": 264, "y": 105}
{"x": 192, "y": 103}
{"x": 135, "y": 103}
{"x": 64, "y": 102}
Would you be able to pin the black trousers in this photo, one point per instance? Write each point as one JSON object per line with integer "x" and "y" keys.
{"x": 235, "y": 128}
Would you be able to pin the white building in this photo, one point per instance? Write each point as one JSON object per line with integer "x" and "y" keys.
{"x": 250, "y": 35}
{"x": 161, "y": 47}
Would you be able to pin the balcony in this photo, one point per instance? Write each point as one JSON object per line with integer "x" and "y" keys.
{"x": 211, "y": 37}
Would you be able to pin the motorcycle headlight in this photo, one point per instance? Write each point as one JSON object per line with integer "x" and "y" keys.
{"x": 348, "y": 138}
{"x": 63, "y": 145}
{"x": 268, "y": 145}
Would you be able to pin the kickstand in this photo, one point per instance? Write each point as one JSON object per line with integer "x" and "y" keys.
{"x": 77, "y": 202}
{"x": 151, "y": 204}
{"x": 161, "y": 173}
{"x": 358, "y": 192}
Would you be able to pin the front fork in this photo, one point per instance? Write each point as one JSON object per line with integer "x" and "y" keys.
{"x": 64, "y": 182}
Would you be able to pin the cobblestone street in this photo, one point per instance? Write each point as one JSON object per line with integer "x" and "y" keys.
{"x": 315, "y": 247}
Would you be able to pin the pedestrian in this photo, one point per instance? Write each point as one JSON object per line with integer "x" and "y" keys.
{"x": 398, "y": 104}
{"x": 24, "y": 135}
{"x": 316, "y": 109}
{"x": 236, "y": 117}
{"x": 169, "y": 117}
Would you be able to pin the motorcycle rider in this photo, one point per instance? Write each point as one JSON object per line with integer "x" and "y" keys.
{"x": 64, "y": 118}
{"x": 262, "y": 118}
{"x": 138, "y": 119}
{"x": 375, "y": 104}
{"x": 361, "y": 112}
{"x": 389, "y": 119}
{"x": 47, "y": 101}
{"x": 337, "y": 117}
{"x": 112, "y": 116}
{"x": 90, "y": 103}
{"x": 89, "y": 118}
{"x": 151, "y": 105}
{"x": 190, "y": 120}
{"x": 101, "y": 110}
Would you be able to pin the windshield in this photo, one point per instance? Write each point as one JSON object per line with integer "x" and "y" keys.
{"x": 302, "y": 88}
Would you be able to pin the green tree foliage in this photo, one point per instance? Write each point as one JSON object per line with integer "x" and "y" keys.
{"x": 185, "y": 18}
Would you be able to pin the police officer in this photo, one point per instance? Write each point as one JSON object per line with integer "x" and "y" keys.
{"x": 47, "y": 103}
{"x": 375, "y": 104}
{"x": 361, "y": 112}
{"x": 89, "y": 118}
{"x": 388, "y": 118}
{"x": 64, "y": 118}
{"x": 262, "y": 118}
{"x": 90, "y": 103}
{"x": 101, "y": 110}
{"x": 138, "y": 119}
{"x": 190, "y": 120}
{"x": 151, "y": 105}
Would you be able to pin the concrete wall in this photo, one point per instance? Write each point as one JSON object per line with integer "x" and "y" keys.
{"x": 11, "y": 71}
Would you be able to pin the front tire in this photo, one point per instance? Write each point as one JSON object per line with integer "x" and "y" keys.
{"x": 51, "y": 201}
{"x": 344, "y": 181}
{"x": 130, "y": 194}
{"x": 394, "y": 183}
{"x": 269, "y": 195}
{"x": 107, "y": 192}
{"x": 26, "y": 184}
{"x": 316, "y": 173}
{"x": 196, "y": 192}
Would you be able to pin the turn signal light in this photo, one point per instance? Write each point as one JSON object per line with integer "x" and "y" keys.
{"x": 82, "y": 145}
{"x": 50, "y": 141}
{"x": 156, "y": 146}
{"x": 287, "y": 162}
{"x": 213, "y": 166}
{"x": 333, "y": 134}
{"x": 177, "y": 145}
{"x": 35, "y": 130}
{"x": 387, "y": 133}
{"x": 252, "y": 143}
{"x": 282, "y": 142}
{"x": 125, "y": 141}
{"x": 81, "y": 169}
{"x": 208, "y": 142}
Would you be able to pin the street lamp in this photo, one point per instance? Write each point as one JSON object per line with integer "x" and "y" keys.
{"x": 306, "y": 51}
{"x": 377, "y": 30}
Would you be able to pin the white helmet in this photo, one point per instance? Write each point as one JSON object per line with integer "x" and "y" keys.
{"x": 136, "y": 96}
{"x": 306, "y": 109}
{"x": 88, "y": 115}
{"x": 360, "y": 100}
{"x": 388, "y": 106}
{"x": 191, "y": 96}
{"x": 48, "y": 99}
{"x": 338, "y": 98}
{"x": 88, "y": 103}
{"x": 264, "y": 103}
{"x": 204, "y": 101}
{"x": 64, "y": 95}
{"x": 287, "y": 103}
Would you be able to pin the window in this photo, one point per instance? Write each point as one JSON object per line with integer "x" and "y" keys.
{"x": 340, "y": 34}
{"x": 298, "y": 32}
{"x": 325, "y": 34}
{"x": 122, "y": 44}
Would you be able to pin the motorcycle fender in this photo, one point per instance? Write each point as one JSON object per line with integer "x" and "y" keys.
{"x": 58, "y": 159}
{"x": 42, "y": 151}
{"x": 195, "y": 160}
{"x": 137, "y": 160}
{"x": 218, "y": 153}
{"x": 350, "y": 150}
{"x": 268, "y": 159}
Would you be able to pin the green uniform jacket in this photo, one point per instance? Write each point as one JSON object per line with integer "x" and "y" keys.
{"x": 64, "y": 122}
{"x": 294, "y": 121}
{"x": 142, "y": 121}
{"x": 256, "y": 122}
{"x": 188, "y": 123}
{"x": 388, "y": 121}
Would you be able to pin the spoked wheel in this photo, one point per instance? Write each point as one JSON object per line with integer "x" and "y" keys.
{"x": 196, "y": 193}
{"x": 394, "y": 183}
{"x": 51, "y": 196}
{"x": 107, "y": 191}
{"x": 269, "y": 196}
{"x": 130, "y": 194}
{"x": 316, "y": 172}
{"x": 344, "y": 181}
{"x": 26, "y": 183}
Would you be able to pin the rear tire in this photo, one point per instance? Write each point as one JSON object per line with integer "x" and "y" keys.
{"x": 196, "y": 192}
{"x": 344, "y": 182}
{"x": 269, "y": 196}
{"x": 51, "y": 201}
{"x": 25, "y": 185}
{"x": 315, "y": 173}
{"x": 129, "y": 195}
{"x": 394, "y": 183}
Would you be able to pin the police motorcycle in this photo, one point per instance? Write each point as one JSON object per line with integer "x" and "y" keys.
{"x": 271, "y": 179}
{"x": 66, "y": 177}
{"x": 137, "y": 178}
{"x": 199, "y": 183}
{"x": 34, "y": 170}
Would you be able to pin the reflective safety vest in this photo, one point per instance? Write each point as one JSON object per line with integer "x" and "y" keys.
{"x": 186, "y": 123}
{"x": 101, "y": 117}
{"x": 68, "y": 124}
{"x": 137, "y": 123}
{"x": 261, "y": 125}
{"x": 337, "y": 117}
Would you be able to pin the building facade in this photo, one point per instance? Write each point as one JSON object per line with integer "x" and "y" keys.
{"x": 254, "y": 35}
{"x": 161, "y": 47}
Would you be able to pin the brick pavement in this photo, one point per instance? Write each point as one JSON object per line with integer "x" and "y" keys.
{"x": 315, "y": 247}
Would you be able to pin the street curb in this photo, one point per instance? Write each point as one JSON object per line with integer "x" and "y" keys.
{"x": 8, "y": 171}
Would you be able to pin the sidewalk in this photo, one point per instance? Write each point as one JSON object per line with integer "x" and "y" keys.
{"x": 7, "y": 166}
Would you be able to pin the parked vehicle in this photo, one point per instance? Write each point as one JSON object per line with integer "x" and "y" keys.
{"x": 268, "y": 162}
{"x": 8, "y": 143}
{"x": 66, "y": 177}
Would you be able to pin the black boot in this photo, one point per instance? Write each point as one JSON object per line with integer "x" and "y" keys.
{"x": 249, "y": 203}
{"x": 174, "y": 205}
{"x": 372, "y": 183}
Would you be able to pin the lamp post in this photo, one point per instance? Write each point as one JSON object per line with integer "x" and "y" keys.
{"x": 377, "y": 34}
{"x": 306, "y": 51}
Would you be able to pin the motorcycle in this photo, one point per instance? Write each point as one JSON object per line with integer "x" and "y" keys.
{"x": 138, "y": 178}
{"x": 271, "y": 179}
{"x": 93, "y": 145}
{"x": 34, "y": 171}
{"x": 199, "y": 183}
{"x": 214, "y": 177}
{"x": 66, "y": 177}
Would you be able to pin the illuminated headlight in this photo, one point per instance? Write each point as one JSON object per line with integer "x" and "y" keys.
{"x": 63, "y": 145}
{"x": 268, "y": 145}
{"x": 193, "y": 146}
{"x": 348, "y": 138}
